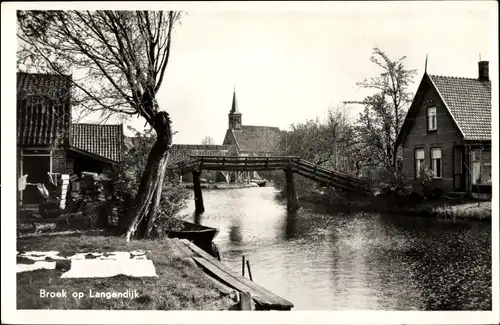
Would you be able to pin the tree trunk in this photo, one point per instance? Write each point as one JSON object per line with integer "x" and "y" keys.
{"x": 149, "y": 193}
{"x": 358, "y": 169}
{"x": 156, "y": 198}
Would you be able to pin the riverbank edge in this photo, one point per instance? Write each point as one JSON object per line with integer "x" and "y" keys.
{"x": 439, "y": 209}
{"x": 180, "y": 285}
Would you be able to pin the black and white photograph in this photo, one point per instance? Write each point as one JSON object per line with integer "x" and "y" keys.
{"x": 244, "y": 158}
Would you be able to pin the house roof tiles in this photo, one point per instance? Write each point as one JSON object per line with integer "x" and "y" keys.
{"x": 469, "y": 101}
{"x": 103, "y": 140}
{"x": 43, "y": 108}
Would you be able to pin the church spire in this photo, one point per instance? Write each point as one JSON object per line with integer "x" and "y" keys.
{"x": 234, "y": 114}
{"x": 234, "y": 106}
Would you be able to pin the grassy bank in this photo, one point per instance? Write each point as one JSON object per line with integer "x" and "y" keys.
{"x": 441, "y": 209}
{"x": 180, "y": 285}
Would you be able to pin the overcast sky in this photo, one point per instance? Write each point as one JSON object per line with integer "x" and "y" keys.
{"x": 288, "y": 66}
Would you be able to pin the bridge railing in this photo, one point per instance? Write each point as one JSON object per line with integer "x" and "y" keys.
{"x": 244, "y": 158}
{"x": 256, "y": 163}
{"x": 242, "y": 163}
{"x": 310, "y": 167}
{"x": 329, "y": 180}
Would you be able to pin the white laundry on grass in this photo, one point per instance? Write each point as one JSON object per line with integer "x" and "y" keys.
{"x": 41, "y": 256}
{"x": 93, "y": 264}
{"x": 35, "y": 266}
{"x": 101, "y": 268}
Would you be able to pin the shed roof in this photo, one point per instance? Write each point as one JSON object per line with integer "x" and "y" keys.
{"x": 104, "y": 140}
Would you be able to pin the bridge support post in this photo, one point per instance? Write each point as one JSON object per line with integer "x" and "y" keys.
{"x": 292, "y": 202}
{"x": 198, "y": 198}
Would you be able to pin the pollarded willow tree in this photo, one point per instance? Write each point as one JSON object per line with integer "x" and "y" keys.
{"x": 117, "y": 60}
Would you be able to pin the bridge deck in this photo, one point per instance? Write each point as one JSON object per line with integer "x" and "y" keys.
{"x": 258, "y": 163}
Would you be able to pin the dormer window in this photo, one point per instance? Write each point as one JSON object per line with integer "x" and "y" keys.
{"x": 431, "y": 119}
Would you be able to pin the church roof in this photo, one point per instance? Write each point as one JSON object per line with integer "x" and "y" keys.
{"x": 254, "y": 138}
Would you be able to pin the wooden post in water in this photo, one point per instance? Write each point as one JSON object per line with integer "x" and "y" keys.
{"x": 198, "y": 198}
{"x": 246, "y": 302}
{"x": 292, "y": 202}
{"x": 249, "y": 270}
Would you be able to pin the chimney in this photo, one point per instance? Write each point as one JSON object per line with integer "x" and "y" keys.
{"x": 484, "y": 71}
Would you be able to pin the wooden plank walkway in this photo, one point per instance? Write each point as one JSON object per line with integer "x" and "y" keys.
{"x": 258, "y": 163}
{"x": 264, "y": 299}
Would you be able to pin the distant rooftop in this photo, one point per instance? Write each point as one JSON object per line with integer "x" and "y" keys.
{"x": 258, "y": 138}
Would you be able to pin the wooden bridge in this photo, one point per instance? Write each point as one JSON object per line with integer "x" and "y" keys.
{"x": 289, "y": 164}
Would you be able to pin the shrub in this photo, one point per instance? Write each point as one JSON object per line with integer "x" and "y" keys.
{"x": 164, "y": 222}
{"x": 393, "y": 184}
{"x": 406, "y": 190}
{"x": 173, "y": 200}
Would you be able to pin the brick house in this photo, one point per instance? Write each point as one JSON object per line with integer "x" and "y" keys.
{"x": 47, "y": 141}
{"x": 448, "y": 130}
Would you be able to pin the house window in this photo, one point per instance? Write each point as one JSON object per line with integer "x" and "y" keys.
{"x": 481, "y": 167}
{"x": 419, "y": 162}
{"x": 436, "y": 163}
{"x": 431, "y": 118}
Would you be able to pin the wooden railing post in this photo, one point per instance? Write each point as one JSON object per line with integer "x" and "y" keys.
{"x": 292, "y": 203}
{"x": 198, "y": 198}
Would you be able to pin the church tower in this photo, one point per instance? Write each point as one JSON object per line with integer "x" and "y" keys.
{"x": 234, "y": 114}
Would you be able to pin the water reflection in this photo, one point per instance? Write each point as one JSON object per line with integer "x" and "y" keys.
{"x": 235, "y": 232}
{"x": 335, "y": 261}
{"x": 197, "y": 218}
{"x": 291, "y": 225}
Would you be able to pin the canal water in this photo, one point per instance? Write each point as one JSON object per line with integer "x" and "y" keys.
{"x": 322, "y": 261}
